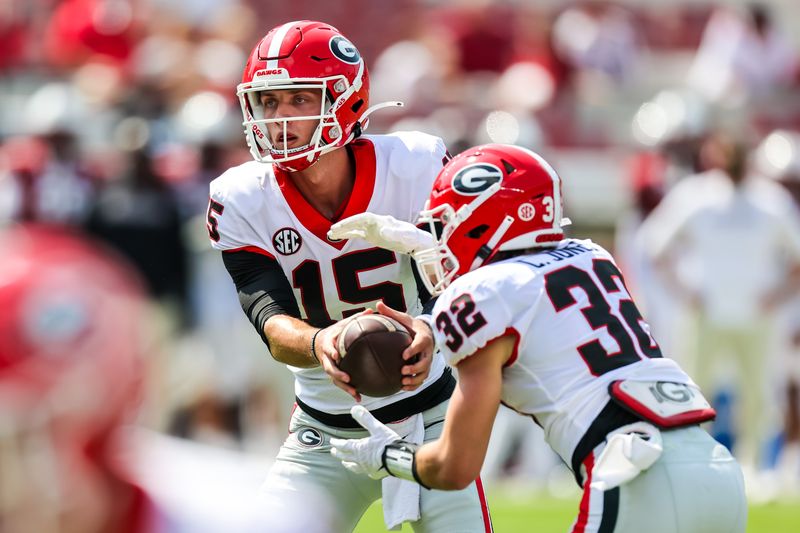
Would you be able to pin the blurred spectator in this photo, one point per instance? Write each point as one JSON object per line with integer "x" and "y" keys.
{"x": 208, "y": 419}
{"x": 138, "y": 215}
{"x": 80, "y": 30}
{"x": 728, "y": 243}
{"x": 647, "y": 178}
{"x": 743, "y": 55}
{"x": 598, "y": 36}
{"x": 42, "y": 182}
{"x": 419, "y": 71}
{"x": 14, "y": 34}
{"x": 534, "y": 42}
{"x": 482, "y": 38}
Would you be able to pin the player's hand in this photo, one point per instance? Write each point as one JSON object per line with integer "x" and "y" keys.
{"x": 325, "y": 346}
{"x": 365, "y": 456}
{"x": 422, "y": 344}
{"x": 383, "y": 231}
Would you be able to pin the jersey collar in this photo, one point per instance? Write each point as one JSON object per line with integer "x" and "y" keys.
{"x": 313, "y": 220}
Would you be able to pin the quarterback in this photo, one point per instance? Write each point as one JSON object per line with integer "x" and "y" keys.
{"x": 305, "y": 101}
{"x": 546, "y": 325}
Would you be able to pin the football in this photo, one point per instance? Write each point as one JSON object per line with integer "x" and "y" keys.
{"x": 371, "y": 349}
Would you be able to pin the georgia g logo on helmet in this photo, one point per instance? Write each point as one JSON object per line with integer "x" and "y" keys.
{"x": 344, "y": 50}
{"x": 474, "y": 179}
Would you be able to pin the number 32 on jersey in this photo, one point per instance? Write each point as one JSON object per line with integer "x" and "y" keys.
{"x": 559, "y": 285}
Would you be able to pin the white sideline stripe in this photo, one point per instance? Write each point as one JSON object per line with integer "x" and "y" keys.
{"x": 277, "y": 41}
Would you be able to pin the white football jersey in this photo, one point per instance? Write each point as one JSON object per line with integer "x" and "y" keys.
{"x": 576, "y": 330}
{"x": 254, "y": 208}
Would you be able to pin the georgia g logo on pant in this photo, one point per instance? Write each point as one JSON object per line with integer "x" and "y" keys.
{"x": 309, "y": 437}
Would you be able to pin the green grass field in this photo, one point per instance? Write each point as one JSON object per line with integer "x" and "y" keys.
{"x": 541, "y": 513}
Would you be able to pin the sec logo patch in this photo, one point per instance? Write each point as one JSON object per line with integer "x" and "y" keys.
{"x": 287, "y": 241}
{"x": 309, "y": 437}
{"x": 526, "y": 212}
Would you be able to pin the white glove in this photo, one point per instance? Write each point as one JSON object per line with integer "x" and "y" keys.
{"x": 383, "y": 231}
{"x": 365, "y": 456}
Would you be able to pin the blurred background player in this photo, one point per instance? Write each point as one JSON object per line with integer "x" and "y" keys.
{"x": 305, "y": 100}
{"x": 70, "y": 377}
{"x": 73, "y": 377}
{"x": 546, "y": 325}
{"x": 778, "y": 158}
{"x": 727, "y": 242}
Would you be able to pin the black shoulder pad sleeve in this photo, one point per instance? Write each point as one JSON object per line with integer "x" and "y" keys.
{"x": 263, "y": 288}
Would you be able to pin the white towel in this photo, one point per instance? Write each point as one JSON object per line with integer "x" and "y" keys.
{"x": 629, "y": 450}
{"x": 401, "y": 497}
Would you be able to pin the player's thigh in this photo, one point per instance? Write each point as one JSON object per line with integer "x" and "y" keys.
{"x": 460, "y": 511}
{"x": 305, "y": 469}
{"x": 695, "y": 486}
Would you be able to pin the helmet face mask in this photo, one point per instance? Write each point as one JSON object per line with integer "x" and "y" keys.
{"x": 437, "y": 265}
{"x": 489, "y": 199}
{"x": 305, "y": 55}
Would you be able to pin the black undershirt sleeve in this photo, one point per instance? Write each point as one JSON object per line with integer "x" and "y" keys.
{"x": 263, "y": 288}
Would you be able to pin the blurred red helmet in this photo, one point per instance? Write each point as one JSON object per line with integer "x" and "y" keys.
{"x": 70, "y": 341}
{"x": 307, "y": 55}
{"x": 489, "y": 199}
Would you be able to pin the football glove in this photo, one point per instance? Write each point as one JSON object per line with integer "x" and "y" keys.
{"x": 383, "y": 231}
{"x": 365, "y": 456}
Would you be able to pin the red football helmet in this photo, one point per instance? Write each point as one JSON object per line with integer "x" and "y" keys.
{"x": 488, "y": 199}
{"x": 70, "y": 340}
{"x": 306, "y": 55}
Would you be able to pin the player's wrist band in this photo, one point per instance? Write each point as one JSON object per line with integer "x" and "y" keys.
{"x": 313, "y": 341}
{"x": 400, "y": 460}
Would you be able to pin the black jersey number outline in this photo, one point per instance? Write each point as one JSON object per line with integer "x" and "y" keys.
{"x": 468, "y": 318}
{"x": 599, "y": 315}
{"x": 211, "y": 220}
{"x": 307, "y": 277}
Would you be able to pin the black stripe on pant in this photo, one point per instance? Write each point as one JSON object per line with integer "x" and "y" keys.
{"x": 610, "y": 511}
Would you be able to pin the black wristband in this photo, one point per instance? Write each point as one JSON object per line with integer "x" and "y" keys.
{"x": 313, "y": 341}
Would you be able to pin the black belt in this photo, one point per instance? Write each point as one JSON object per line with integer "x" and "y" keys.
{"x": 434, "y": 394}
{"x": 610, "y": 418}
